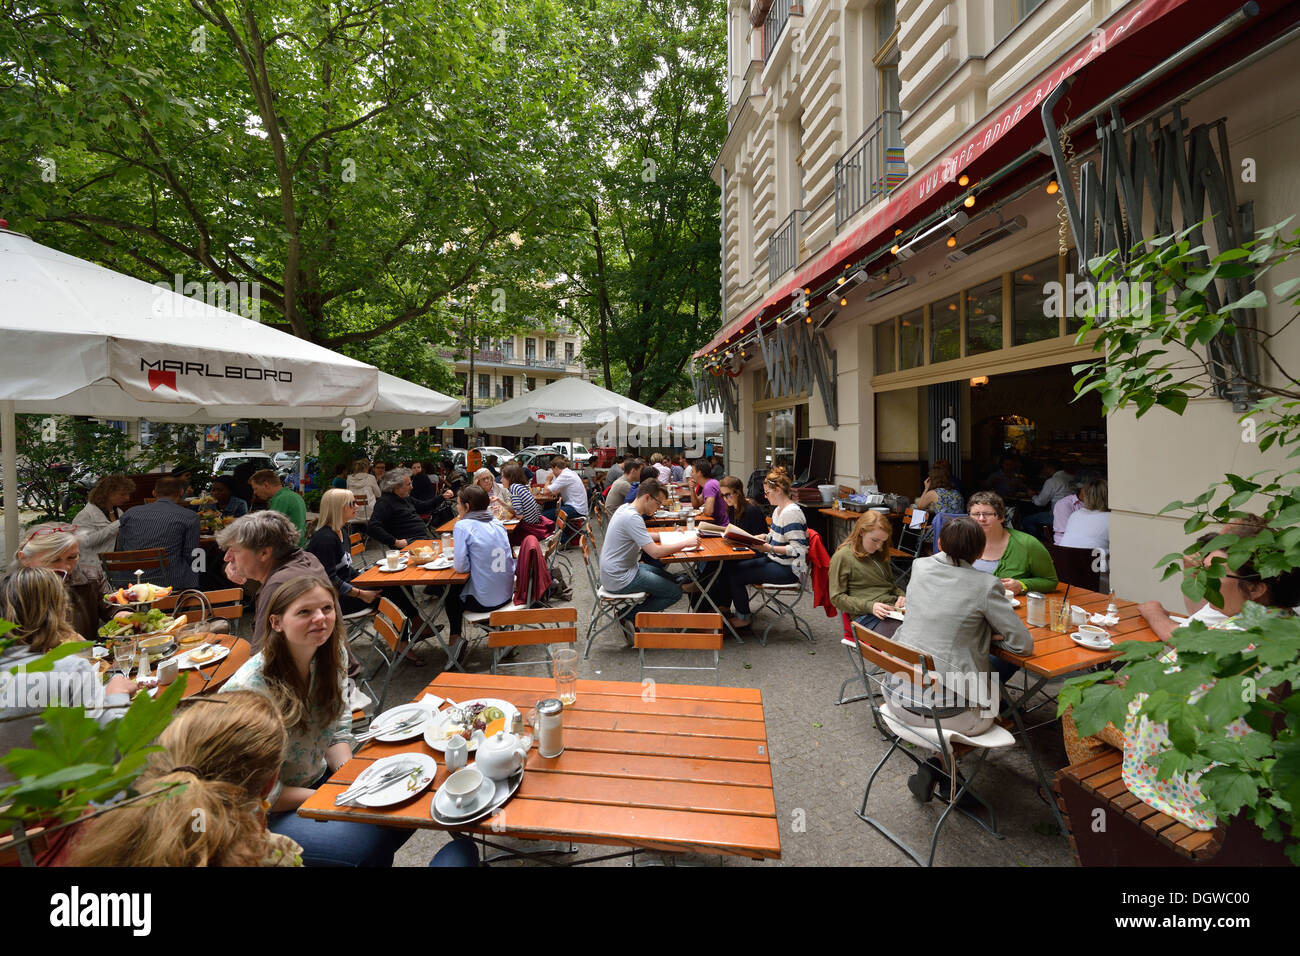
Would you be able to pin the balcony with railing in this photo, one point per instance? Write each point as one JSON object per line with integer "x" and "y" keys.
{"x": 778, "y": 14}
{"x": 783, "y": 247}
{"x": 871, "y": 168}
{"x": 497, "y": 358}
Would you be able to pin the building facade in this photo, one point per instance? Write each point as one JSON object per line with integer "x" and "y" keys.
{"x": 900, "y": 227}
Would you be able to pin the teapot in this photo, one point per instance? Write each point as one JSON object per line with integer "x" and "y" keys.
{"x": 502, "y": 754}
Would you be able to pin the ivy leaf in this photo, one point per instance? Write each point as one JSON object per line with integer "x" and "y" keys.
{"x": 1229, "y": 789}
{"x": 1101, "y": 705}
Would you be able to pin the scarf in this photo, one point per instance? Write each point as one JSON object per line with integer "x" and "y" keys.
{"x": 483, "y": 515}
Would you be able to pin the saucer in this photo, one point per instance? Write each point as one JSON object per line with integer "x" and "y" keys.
{"x": 1091, "y": 644}
{"x": 447, "y": 806}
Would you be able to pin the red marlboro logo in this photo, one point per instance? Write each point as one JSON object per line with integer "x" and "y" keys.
{"x": 541, "y": 416}
{"x": 157, "y": 378}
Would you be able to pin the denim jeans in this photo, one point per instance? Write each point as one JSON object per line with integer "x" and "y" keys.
{"x": 338, "y": 842}
{"x": 573, "y": 514}
{"x": 760, "y": 570}
{"x": 661, "y": 590}
{"x": 460, "y": 851}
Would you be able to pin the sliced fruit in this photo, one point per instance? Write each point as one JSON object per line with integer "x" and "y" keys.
{"x": 494, "y": 726}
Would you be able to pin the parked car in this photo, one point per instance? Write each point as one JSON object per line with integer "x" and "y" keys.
{"x": 457, "y": 456}
{"x": 576, "y": 452}
{"x": 285, "y": 459}
{"x": 531, "y": 459}
{"x": 502, "y": 455}
{"x": 227, "y": 461}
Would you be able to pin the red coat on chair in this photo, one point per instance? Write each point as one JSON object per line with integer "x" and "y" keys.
{"x": 819, "y": 567}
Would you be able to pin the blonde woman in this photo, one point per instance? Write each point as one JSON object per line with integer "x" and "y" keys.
{"x": 34, "y": 599}
{"x": 362, "y": 482}
{"x": 97, "y": 523}
{"x": 57, "y": 548}
{"x": 862, "y": 583}
{"x": 302, "y": 667}
{"x": 220, "y": 760}
{"x": 332, "y": 546}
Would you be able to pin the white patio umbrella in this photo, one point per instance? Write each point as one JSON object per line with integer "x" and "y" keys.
{"x": 692, "y": 421}
{"x": 79, "y": 339}
{"x": 569, "y": 407}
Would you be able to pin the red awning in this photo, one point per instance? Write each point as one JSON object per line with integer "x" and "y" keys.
{"x": 1127, "y": 46}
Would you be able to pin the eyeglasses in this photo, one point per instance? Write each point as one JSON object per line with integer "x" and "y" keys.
{"x": 60, "y": 529}
{"x": 983, "y": 514}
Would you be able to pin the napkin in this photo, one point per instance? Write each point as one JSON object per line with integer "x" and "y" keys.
{"x": 1105, "y": 620}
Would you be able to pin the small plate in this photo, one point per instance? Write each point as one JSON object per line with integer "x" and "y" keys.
{"x": 505, "y": 789}
{"x": 1015, "y": 602}
{"x": 183, "y": 660}
{"x": 433, "y": 735}
{"x": 403, "y": 789}
{"x": 395, "y": 716}
{"x": 446, "y": 807}
{"x": 400, "y": 567}
{"x": 438, "y": 564}
{"x": 1090, "y": 644}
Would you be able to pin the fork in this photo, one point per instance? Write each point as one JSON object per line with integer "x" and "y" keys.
{"x": 389, "y": 776}
{"x": 408, "y": 723}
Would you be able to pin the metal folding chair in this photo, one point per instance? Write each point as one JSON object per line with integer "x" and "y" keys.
{"x": 609, "y": 607}
{"x": 390, "y": 626}
{"x": 517, "y": 628}
{"x": 911, "y": 541}
{"x": 783, "y": 598}
{"x": 914, "y": 666}
{"x": 662, "y": 630}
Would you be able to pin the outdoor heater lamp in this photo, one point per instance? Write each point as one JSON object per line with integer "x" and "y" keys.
{"x": 894, "y": 286}
{"x": 938, "y": 231}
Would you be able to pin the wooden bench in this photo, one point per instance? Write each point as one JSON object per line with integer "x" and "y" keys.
{"x": 1128, "y": 832}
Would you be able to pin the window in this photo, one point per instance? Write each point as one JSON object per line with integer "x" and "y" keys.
{"x": 1029, "y": 323}
{"x": 550, "y": 381}
{"x": 550, "y": 351}
{"x": 883, "y": 335}
{"x": 984, "y": 317}
{"x": 945, "y": 330}
{"x": 460, "y": 378}
{"x": 1073, "y": 322}
{"x": 485, "y": 386}
{"x": 911, "y": 339}
{"x": 887, "y": 21}
{"x": 508, "y": 349}
{"x": 508, "y": 387}
{"x": 530, "y": 382}
{"x": 778, "y": 431}
{"x": 530, "y": 349}
{"x": 568, "y": 352}
{"x": 1025, "y": 7}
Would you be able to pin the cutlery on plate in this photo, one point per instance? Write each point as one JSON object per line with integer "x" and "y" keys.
{"x": 389, "y": 776}
{"x": 407, "y": 723}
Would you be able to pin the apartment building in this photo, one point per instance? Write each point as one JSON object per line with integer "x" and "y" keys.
{"x": 504, "y": 368}
{"x": 900, "y": 216}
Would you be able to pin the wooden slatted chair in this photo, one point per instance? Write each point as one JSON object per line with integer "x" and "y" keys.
{"x": 918, "y": 669}
{"x": 225, "y": 604}
{"x": 660, "y": 630}
{"x": 388, "y": 628}
{"x": 552, "y": 549}
{"x": 525, "y": 626}
{"x": 609, "y": 607}
{"x": 357, "y": 547}
{"x": 120, "y": 566}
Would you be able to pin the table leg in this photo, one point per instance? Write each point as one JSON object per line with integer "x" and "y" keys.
{"x": 692, "y": 569}
{"x": 1014, "y": 707}
{"x": 429, "y": 619}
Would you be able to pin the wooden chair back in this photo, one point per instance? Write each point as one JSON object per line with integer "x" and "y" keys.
{"x": 1078, "y": 566}
{"x": 892, "y": 657}
{"x": 389, "y": 623}
{"x": 356, "y": 546}
{"x": 119, "y": 564}
{"x": 532, "y": 626}
{"x": 227, "y": 603}
{"x": 663, "y": 630}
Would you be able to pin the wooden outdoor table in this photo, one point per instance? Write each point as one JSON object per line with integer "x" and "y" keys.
{"x": 410, "y": 578}
{"x": 446, "y": 526}
{"x": 672, "y": 520}
{"x": 839, "y": 515}
{"x": 685, "y": 771}
{"x": 217, "y": 673}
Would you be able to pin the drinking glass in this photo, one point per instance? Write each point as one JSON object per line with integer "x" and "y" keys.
{"x": 124, "y": 655}
{"x": 1057, "y": 614}
{"x": 565, "y": 662}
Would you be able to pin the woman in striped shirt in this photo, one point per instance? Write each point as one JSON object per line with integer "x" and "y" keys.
{"x": 523, "y": 506}
{"x": 787, "y": 543}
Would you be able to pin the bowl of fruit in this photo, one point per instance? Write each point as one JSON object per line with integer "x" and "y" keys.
{"x": 143, "y": 593}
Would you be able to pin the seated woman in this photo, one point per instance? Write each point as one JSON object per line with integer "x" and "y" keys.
{"x": 362, "y": 482}
{"x": 481, "y": 548}
{"x": 97, "y": 523}
{"x": 487, "y": 481}
{"x": 302, "y": 667}
{"x": 57, "y": 548}
{"x": 741, "y": 511}
{"x": 222, "y": 758}
{"x": 954, "y": 612}
{"x": 706, "y": 493}
{"x": 1180, "y": 795}
{"x": 786, "y": 545}
{"x": 1019, "y": 559}
{"x": 340, "y": 479}
{"x": 223, "y": 490}
{"x": 1089, "y": 526}
{"x": 940, "y": 494}
{"x": 521, "y": 503}
{"x": 332, "y": 545}
{"x": 861, "y": 581}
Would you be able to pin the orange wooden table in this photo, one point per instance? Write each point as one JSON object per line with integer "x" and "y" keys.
{"x": 216, "y": 674}
{"x": 685, "y": 769}
{"x": 410, "y": 578}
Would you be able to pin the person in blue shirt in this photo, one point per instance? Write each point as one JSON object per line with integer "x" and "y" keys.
{"x": 481, "y": 547}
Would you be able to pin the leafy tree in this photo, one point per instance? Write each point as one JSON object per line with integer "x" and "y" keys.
{"x": 1159, "y": 358}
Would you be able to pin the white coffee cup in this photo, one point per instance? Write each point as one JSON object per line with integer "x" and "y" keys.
{"x": 1094, "y": 634}
{"x": 462, "y": 785}
{"x": 392, "y": 559}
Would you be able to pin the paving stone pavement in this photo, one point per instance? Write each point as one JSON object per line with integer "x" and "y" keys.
{"x": 821, "y": 756}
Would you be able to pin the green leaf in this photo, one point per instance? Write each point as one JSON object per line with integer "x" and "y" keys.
{"x": 1102, "y": 704}
{"x": 1229, "y": 789}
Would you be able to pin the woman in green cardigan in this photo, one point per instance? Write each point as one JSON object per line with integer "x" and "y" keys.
{"x": 861, "y": 582}
{"x": 1019, "y": 559}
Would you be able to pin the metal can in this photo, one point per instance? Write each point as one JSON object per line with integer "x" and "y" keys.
{"x": 550, "y": 727}
{"x": 1035, "y": 609}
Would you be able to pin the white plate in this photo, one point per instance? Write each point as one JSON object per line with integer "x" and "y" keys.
{"x": 183, "y": 660}
{"x": 1015, "y": 602}
{"x": 479, "y": 801}
{"x": 437, "y": 564}
{"x": 395, "y": 716}
{"x": 400, "y": 567}
{"x": 502, "y": 791}
{"x": 433, "y": 732}
{"x": 399, "y": 790}
{"x": 1092, "y": 645}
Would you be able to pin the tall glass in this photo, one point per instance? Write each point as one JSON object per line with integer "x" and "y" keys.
{"x": 124, "y": 655}
{"x": 565, "y": 662}
{"x": 1057, "y": 614}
